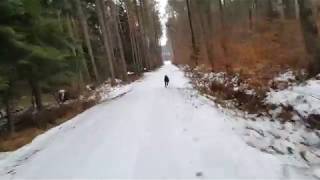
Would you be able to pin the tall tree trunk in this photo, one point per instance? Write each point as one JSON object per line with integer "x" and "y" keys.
{"x": 71, "y": 35}
{"x": 158, "y": 49}
{"x": 256, "y": 8}
{"x": 152, "y": 34}
{"x": 85, "y": 30}
{"x": 77, "y": 50}
{"x": 135, "y": 52}
{"x": 206, "y": 27}
{"x": 193, "y": 41}
{"x": 107, "y": 46}
{"x": 140, "y": 38}
{"x": 280, "y": 7}
{"x": 133, "y": 44}
{"x": 74, "y": 51}
{"x": 311, "y": 34}
{"x": 120, "y": 45}
{"x": 10, "y": 119}
{"x": 107, "y": 18}
{"x": 133, "y": 48}
{"x": 270, "y": 12}
{"x": 223, "y": 29}
{"x": 8, "y": 108}
{"x": 171, "y": 34}
{"x": 289, "y": 9}
{"x": 148, "y": 29}
{"x": 209, "y": 43}
{"x": 297, "y": 9}
{"x": 58, "y": 12}
{"x": 250, "y": 13}
{"x": 138, "y": 47}
{"x": 36, "y": 91}
{"x": 221, "y": 9}
{"x": 132, "y": 32}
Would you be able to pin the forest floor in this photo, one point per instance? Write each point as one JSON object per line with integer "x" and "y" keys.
{"x": 155, "y": 132}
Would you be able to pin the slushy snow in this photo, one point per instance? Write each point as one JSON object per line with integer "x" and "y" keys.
{"x": 150, "y": 132}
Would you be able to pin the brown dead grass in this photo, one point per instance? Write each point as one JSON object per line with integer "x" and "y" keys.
{"x": 26, "y": 132}
{"x": 262, "y": 53}
{"x": 13, "y": 142}
{"x": 268, "y": 49}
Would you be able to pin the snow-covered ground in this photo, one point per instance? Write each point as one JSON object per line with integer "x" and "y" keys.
{"x": 305, "y": 98}
{"x": 296, "y": 145}
{"x": 150, "y": 132}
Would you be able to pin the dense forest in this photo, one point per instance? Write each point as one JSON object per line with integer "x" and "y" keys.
{"x": 241, "y": 52}
{"x": 48, "y": 45}
{"x": 163, "y": 89}
{"x": 255, "y": 37}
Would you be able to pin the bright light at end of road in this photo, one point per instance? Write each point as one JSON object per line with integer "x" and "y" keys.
{"x": 163, "y": 17}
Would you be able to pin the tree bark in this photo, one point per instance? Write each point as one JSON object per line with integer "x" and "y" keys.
{"x": 289, "y": 9}
{"x": 209, "y": 43}
{"x": 79, "y": 48}
{"x": 80, "y": 64}
{"x": 115, "y": 14}
{"x": 134, "y": 47}
{"x": 71, "y": 35}
{"x": 58, "y": 12}
{"x": 148, "y": 29}
{"x": 11, "y": 125}
{"x": 141, "y": 36}
{"x": 280, "y": 7}
{"x": 206, "y": 19}
{"x": 8, "y": 108}
{"x": 193, "y": 41}
{"x": 85, "y": 30}
{"x": 297, "y": 9}
{"x": 311, "y": 34}
{"x": 223, "y": 29}
{"x": 36, "y": 91}
{"x": 107, "y": 46}
{"x": 250, "y": 18}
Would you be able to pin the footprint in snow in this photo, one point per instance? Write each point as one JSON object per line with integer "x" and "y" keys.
{"x": 12, "y": 172}
{"x": 199, "y": 174}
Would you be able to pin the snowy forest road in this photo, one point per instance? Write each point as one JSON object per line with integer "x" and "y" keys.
{"x": 151, "y": 132}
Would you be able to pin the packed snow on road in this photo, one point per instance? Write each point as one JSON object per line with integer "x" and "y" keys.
{"x": 149, "y": 132}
